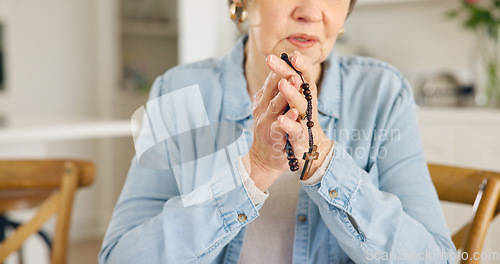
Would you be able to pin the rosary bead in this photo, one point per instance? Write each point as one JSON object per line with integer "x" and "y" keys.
{"x": 292, "y": 157}
{"x": 289, "y": 152}
{"x": 305, "y": 86}
{"x": 293, "y": 162}
{"x": 294, "y": 168}
{"x": 307, "y": 92}
{"x": 309, "y": 97}
{"x": 310, "y": 124}
{"x": 284, "y": 56}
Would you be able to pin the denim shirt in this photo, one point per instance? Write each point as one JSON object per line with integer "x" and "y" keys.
{"x": 374, "y": 204}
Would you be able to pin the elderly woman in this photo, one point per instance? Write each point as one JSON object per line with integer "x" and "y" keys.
{"x": 365, "y": 195}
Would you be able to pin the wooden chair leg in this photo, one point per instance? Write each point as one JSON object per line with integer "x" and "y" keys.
{"x": 485, "y": 211}
{"x": 459, "y": 237}
{"x": 68, "y": 188}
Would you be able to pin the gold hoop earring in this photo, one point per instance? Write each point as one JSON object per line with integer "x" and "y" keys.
{"x": 237, "y": 13}
{"x": 232, "y": 11}
{"x": 243, "y": 15}
{"x": 341, "y": 33}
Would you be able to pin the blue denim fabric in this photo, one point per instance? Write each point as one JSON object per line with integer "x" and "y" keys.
{"x": 375, "y": 204}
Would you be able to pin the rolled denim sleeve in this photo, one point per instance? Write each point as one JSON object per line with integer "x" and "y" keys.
{"x": 402, "y": 216}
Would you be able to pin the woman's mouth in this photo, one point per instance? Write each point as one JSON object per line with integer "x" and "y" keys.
{"x": 302, "y": 41}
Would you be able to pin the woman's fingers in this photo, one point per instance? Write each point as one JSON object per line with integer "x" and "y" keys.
{"x": 288, "y": 95}
{"x": 301, "y": 63}
{"x": 281, "y": 88}
{"x": 296, "y": 131}
{"x": 292, "y": 96}
{"x": 280, "y": 67}
{"x": 279, "y": 70}
{"x": 277, "y": 132}
{"x": 264, "y": 95}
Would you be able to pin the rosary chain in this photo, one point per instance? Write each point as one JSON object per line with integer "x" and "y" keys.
{"x": 292, "y": 160}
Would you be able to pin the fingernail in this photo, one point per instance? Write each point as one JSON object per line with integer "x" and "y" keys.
{"x": 272, "y": 60}
{"x": 298, "y": 60}
{"x": 296, "y": 56}
{"x": 282, "y": 83}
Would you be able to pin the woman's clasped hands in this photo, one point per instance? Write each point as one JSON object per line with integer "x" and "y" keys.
{"x": 267, "y": 159}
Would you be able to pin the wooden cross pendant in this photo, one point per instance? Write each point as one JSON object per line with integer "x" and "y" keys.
{"x": 309, "y": 157}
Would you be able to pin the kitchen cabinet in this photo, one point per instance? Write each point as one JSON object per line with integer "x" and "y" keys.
{"x": 148, "y": 47}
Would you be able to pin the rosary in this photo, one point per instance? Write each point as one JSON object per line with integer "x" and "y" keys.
{"x": 312, "y": 155}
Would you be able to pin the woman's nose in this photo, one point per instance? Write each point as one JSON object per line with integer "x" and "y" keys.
{"x": 308, "y": 11}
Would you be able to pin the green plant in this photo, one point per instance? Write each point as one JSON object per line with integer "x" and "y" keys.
{"x": 479, "y": 13}
{"x": 483, "y": 17}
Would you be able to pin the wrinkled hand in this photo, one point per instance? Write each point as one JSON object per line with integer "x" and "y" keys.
{"x": 267, "y": 159}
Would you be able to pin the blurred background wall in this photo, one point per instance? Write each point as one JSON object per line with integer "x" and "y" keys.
{"x": 414, "y": 36}
{"x": 70, "y": 62}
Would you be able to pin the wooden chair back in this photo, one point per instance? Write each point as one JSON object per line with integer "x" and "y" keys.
{"x": 49, "y": 184}
{"x": 478, "y": 188}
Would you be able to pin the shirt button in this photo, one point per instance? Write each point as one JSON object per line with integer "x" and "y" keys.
{"x": 333, "y": 194}
{"x": 242, "y": 217}
{"x": 302, "y": 219}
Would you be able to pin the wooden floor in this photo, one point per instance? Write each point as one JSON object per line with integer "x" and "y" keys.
{"x": 84, "y": 252}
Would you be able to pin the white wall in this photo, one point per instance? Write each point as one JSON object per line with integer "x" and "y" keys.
{"x": 205, "y": 30}
{"x": 52, "y": 53}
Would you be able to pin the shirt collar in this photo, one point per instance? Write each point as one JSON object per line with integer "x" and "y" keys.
{"x": 329, "y": 96}
{"x": 237, "y": 104}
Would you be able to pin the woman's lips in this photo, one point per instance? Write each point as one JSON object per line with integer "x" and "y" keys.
{"x": 302, "y": 41}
